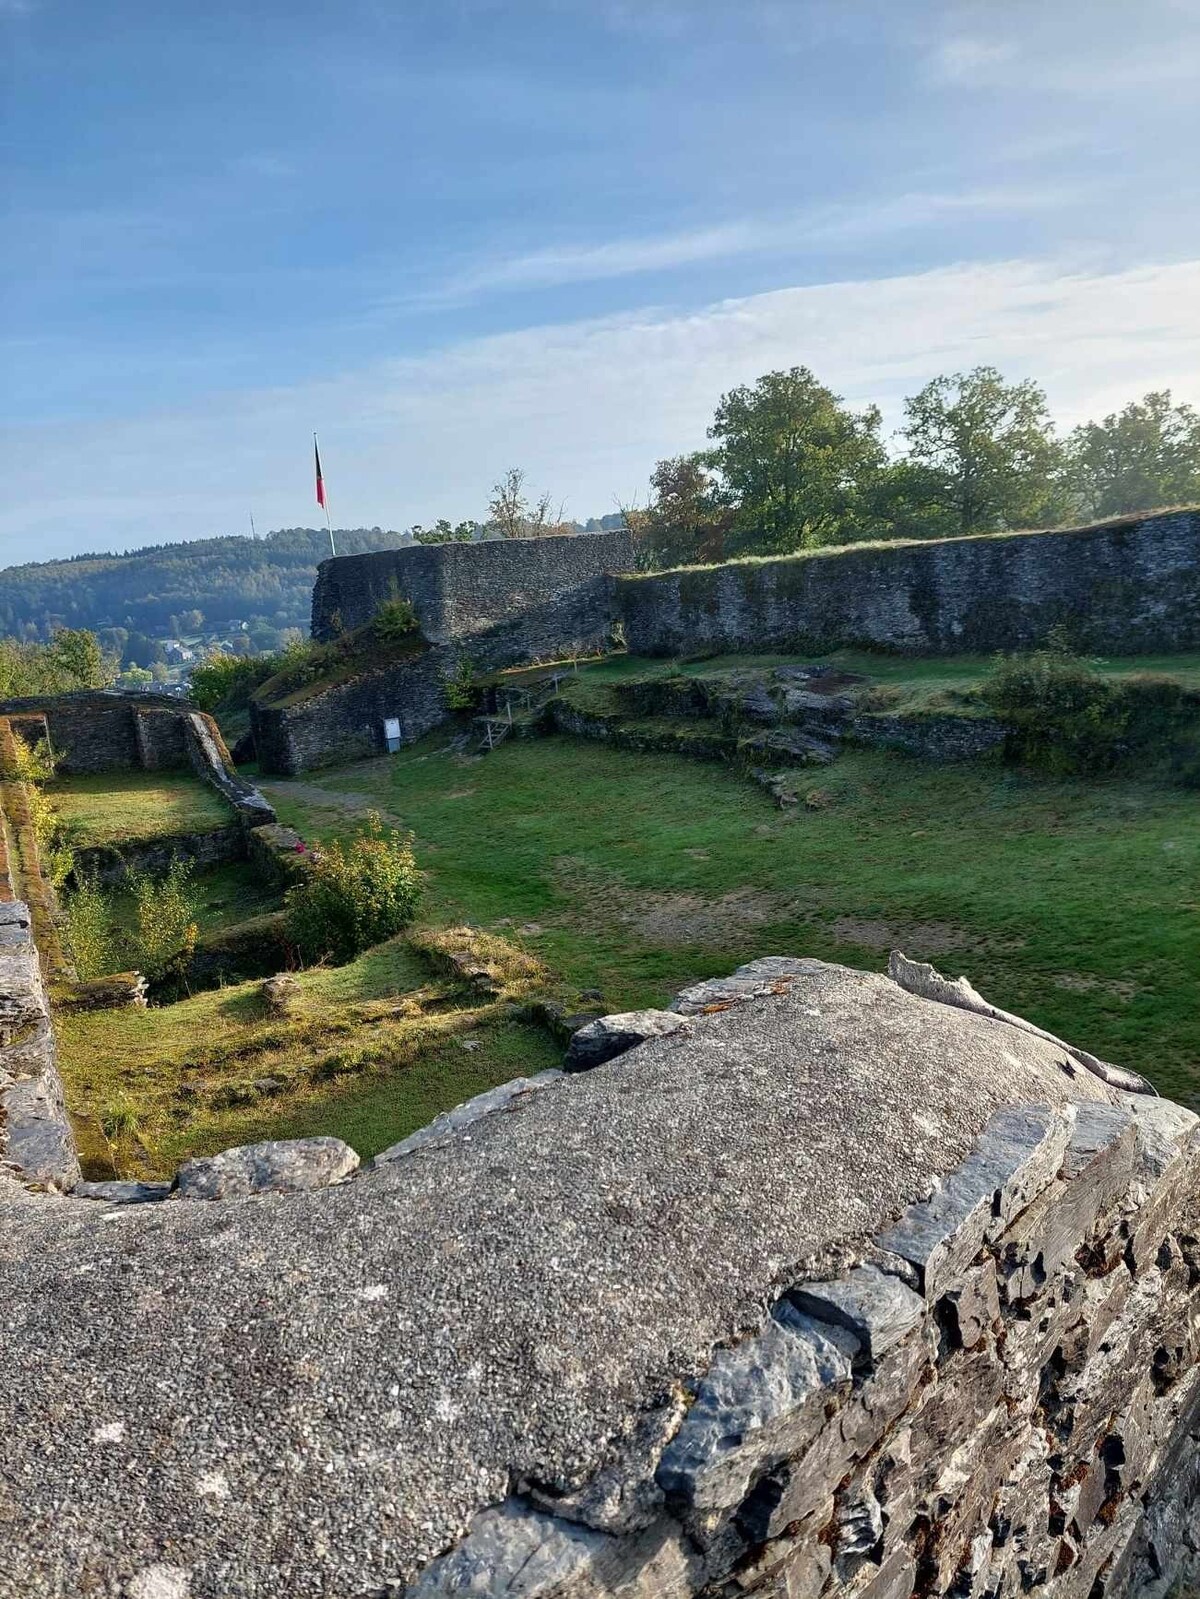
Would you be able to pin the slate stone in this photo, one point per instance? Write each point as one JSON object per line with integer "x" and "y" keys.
{"x": 610, "y": 1036}
{"x": 280, "y": 1166}
{"x": 471, "y": 1110}
{"x": 756, "y": 980}
{"x": 1020, "y": 1152}
{"x": 122, "y": 1192}
{"x": 761, "y": 1401}
{"x": 522, "y": 1553}
{"x": 969, "y": 1311}
{"x": 877, "y": 1308}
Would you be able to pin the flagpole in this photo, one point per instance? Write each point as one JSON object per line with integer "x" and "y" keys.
{"x": 324, "y": 497}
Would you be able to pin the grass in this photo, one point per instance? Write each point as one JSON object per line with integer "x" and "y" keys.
{"x": 371, "y": 1051}
{"x": 1076, "y": 904}
{"x": 108, "y": 807}
{"x": 949, "y": 682}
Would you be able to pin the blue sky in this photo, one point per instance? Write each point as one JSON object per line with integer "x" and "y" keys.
{"x": 455, "y": 235}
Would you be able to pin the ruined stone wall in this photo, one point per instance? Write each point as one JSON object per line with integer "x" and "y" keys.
{"x": 105, "y": 731}
{"x": 549, "y": 596}
{"x": 1120, "y": 588}
{"x": 344, "y": 721}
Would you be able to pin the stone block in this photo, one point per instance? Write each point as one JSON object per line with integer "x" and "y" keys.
{"x": 280, "y": 1166}
{"x": 762, "y": 1401}
{"x": 1017, "y": 1155}
{"x": 471, "y": 1110}
{"x": 122, "y": 1192}
{"x": 969, "y": 1311}
{"x": 876, "y": 1307}
{"x": 515, "y": 1551}
{"x": 756, "y": 980}
{"x": 610, "y": 1036}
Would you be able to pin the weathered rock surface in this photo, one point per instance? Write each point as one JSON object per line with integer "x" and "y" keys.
{"x": 468, "y": 1370}
{"x": 609, "y": 1036}
{"x": 279, "y": 1166}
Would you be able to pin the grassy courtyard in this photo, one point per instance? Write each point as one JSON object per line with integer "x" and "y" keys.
{"x": 1074, "y": 903}
{"x": 108, "y": 807}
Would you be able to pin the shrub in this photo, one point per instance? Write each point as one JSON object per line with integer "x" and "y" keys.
{"x": 90, "y": 931}
{"x": 357, "y": 894}
{"x": 394, "y": 621}
{"x": 227, "y": 681}
{"x": 458, "y": 686}
{"x": 164, "y": 929}
{"x": 1064, "y": 715}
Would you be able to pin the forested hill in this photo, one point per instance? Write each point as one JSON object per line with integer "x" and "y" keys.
{"x": 266, "y": 581}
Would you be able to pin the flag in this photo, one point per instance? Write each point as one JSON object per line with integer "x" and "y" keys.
{"x": 320, "y": 479}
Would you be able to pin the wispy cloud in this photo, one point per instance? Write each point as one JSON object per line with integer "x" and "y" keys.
{"x": 1086, "y": 69}
{"x": 822, "y": 226}
{"x": 587, "y": 407}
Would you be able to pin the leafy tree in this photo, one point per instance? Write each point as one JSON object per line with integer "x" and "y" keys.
{"x": 227, "y": 681}
{"x": 73, "y": 659}
{"x": 512, "y": 515}
{"x": 795, "y": 463}
{"x": 988, "y": 449}
{"x": 1146, "y": 455}
{"x": 686, "y": 521}
{"x": 78, "y": 655}
{"x": 141, "y": 651}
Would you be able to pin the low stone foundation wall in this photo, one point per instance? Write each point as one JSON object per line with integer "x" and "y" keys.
{"x": 344, "y": 722}
{"x": 110, "y": 863}
{"x": 36, "y": 1144}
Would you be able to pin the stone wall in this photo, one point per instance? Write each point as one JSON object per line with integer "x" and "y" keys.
{"x": 1122, "y": 588}
{"x": 101, "y": 730}
{"x": 812, "y": 1286}
{"x": 344, "y": 721}
{"x": 544, "y": 597}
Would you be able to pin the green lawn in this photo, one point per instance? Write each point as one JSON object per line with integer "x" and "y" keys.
{"x": 1076, "y": 904}
{"x": 107, "y": 807}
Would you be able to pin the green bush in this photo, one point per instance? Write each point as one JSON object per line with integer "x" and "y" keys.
{"x": 356, "y": 894}
{"x": 164, "y": 929}
{"x": 226, "y": 682}
{"x": 90, "y": 931}
{"x": 394, "y": 621}
{"x": 1065, "y": 716}
{"x": 458, "y": 686}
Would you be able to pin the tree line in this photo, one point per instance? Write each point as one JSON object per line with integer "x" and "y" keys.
{"x": 264, "y": 585}
{"x": 791, "y": 467}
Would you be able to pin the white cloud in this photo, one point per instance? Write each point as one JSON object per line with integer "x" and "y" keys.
{"x": 819, "y": 226}
{"x": 1074, "y": 60}
{"x": 970, "y": 60}
{"x": 587, "y": 407}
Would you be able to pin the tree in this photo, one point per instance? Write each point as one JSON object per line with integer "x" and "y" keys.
{"x": 795, "y": 464}
{"x": 686, "y": 521}
{"x": 988, "y": 449}
{"x": 1146, "y": 455}
{"x": 513, "y": 516}
{"x": 442, "y": 533}
{"x": 78, "y": 655}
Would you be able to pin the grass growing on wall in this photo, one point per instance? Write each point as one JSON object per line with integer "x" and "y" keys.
{"x": 107, "y": 807}
{"x": 1074, "y": 903}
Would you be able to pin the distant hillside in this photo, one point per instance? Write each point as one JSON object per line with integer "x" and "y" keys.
{"x": 263, "y": 582}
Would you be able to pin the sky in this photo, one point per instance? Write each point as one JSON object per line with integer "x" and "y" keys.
{"x": 455, "y": 236}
